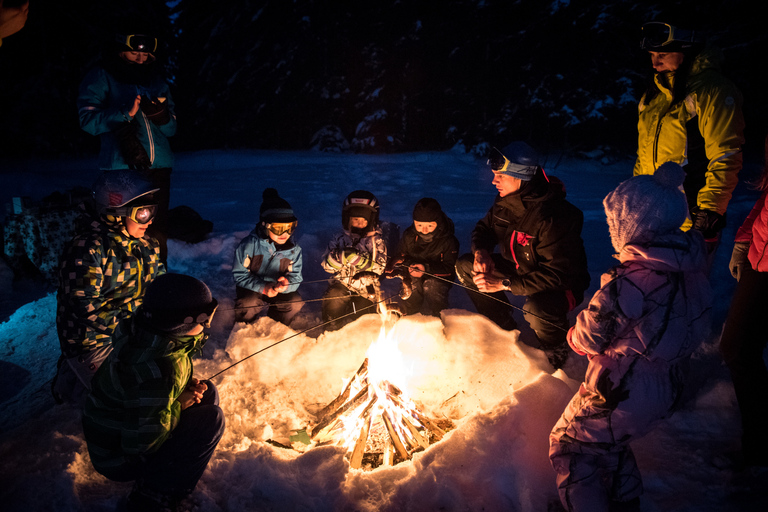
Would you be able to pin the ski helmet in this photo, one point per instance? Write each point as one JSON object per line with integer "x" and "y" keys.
{"x": 517, "y": 159}
{"x": 117, "y": 192}
{"x": 360, "y": 203}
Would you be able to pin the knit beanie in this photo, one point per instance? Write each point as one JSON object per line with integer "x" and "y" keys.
{"x": 427, "y": 210}
{"x": 643, "y": 207}
{"x": 274, "y": 208}
{"x": 175, "y": 303}
{"x": 520, "y": 161}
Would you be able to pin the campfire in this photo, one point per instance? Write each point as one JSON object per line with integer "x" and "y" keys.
{"x": 373, "y": 417}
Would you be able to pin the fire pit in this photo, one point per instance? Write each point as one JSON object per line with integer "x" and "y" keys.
{"x": 373, "y": 417}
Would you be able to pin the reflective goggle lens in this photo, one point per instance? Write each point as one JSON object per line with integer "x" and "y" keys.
{"x": 657, "y": 34}
{"x": 140, "y": 43}
{"x": 278, "y": 228}
{"x": 496, "y": 160}
{"x": 143, "y": 214}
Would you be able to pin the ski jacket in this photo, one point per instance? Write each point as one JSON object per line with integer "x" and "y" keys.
{"x": 258, "y": 262}
{"x": 713, "y": 108}
{"x": 652, "y": 308}
{"x": 133, "y": 407}
{"x": 639, "y": 331}
{"x": 352, "y": 258}
{"x": 102, "y": 277}
{"x": 438, "y": 254}
{"x": 103, "y": 104}
{"x": 754, "y": 231}
{"x": 540, "y": 233}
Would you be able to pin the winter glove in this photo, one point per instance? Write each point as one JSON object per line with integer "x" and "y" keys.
{"x": 132, "y": 150}
{"x": 156, "y": 111}
{"x": 392, "y": 269}
{"x": 708, "y": 222}
{"x": 739, "y": 259}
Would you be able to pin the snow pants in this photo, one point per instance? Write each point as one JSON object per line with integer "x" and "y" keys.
{"x": 175, "y": 468}
{"x": 589, "y": 446}
{"x": 282, "y": 308}
{"x": 742, "y": 344}
{"x": 74, "y": 374}
{"x": 428, "y": 295}
{"x": 339, "y": 301}
{"x": 546, "y": 312}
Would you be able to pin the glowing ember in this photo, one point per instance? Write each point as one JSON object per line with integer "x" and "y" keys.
{"x": 374, "y": 415}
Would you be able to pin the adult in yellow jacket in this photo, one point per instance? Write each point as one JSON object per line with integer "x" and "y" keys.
{"x": 691, "y": 115}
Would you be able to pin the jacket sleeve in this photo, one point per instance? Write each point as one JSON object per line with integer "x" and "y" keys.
{"x": 721, "y": 124}
{"x": 294, "y": 276}
{"x": 378, "y": 254}
{"x": 241, "y": 272}
{"x": 330, "y": 264}
{"x": 611, "y": 314}
{"x": 558, "y": 244}
{"x": 483, "y": 236}
{"x": 96, "y": 114}
{"x": 151, "y": 413}
{"x": 744, "y": 233}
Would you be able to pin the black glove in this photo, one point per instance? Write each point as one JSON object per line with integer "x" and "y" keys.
{"x": 739, "y": 259}
{"x": 132, "y": 150}
{"x": 708, "y": 222}
{"x": 155, "y": 110}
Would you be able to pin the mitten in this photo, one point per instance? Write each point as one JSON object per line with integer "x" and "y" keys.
{"x": 155, "y": 110}
{"x": 132, "y": 150}
{"x": 356, "y": 260}
{"x": 739, "y": 259}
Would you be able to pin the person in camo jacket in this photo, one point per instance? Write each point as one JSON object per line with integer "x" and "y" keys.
{"x": 102, "y": 277}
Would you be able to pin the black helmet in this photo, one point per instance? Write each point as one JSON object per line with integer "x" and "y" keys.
{"x": 360, "y": 203}
{"x": 117, "y": 192}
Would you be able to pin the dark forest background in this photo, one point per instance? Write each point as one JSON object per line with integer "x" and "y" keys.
{"x": 376, "y": 75}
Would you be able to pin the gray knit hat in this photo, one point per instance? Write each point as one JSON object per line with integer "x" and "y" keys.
{"x": 643, "y": 207}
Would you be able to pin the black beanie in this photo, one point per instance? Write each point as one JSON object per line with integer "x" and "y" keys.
{"x": 175, "y": 303}
{"x": 274, "y": 208}
{"x": 427, "y": 210}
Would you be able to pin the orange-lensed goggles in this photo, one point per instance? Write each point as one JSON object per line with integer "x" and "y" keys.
{"x": 278, "y": 228}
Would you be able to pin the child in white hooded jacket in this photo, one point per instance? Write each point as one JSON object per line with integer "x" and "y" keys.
{"x": 639, "y": 331}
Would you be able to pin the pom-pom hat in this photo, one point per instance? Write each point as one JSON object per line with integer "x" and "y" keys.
{"x": 643, "y": 207}
{"x": 274, "y": 208}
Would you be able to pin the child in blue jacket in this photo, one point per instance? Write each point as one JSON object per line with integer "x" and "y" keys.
{"x": 268, "y": 263}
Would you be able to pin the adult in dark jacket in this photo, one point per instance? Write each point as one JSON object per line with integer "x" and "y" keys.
{"x": 425, "y": 259}
{"x": 125, "y": 100}
{"x": 541, "y": 254}
{"x": 103, "y": 274}
{"x": 148, "y": 419}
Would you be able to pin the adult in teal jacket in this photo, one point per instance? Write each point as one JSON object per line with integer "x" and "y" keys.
{"x": 147, "y": 418}
{"x": 268, "y": 264}
{"x": 125, "y": 100}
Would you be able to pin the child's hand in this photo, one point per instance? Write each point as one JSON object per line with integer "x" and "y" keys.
{"x": 192, "y": 394}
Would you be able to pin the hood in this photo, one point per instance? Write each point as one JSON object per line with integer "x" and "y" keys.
{"x": 674, "y": 252}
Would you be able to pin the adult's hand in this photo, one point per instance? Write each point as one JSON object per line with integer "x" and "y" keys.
{"x": 483, "y": 262}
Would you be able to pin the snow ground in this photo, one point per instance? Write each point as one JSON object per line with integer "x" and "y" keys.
{"x": 500, "y": 393}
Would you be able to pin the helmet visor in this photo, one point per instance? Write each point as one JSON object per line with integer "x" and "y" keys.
{"x": 278, "y": 228}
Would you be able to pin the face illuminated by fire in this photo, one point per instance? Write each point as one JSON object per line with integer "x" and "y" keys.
{"x": 424, "y": 228}
{"x": 506, "y": 184}
{"x": 358, "y": 222}
{"x": 135, "y": 229}
{"x": 666, "y": 61}
{"x": 135, "y": 57}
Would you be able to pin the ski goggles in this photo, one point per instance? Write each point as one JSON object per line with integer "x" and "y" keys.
{"x": 497, "y": 160}
{"x": 657, "y": 35}
{"x": 142, "y": 214}
{"x": 139, "y": 42}
{"x": 278, "y": 228}
{"x": 204, "y": 317}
